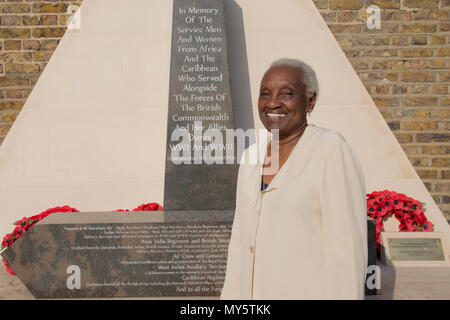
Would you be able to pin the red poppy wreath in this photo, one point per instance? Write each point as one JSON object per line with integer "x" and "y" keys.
{"x": 24, "y": 224}
{"x": 408, "y": 211}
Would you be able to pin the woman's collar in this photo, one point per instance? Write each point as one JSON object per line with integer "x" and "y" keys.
{"x": 297, "y": 160}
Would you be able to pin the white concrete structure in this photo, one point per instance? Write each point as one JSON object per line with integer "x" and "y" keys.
{"x": 92, "y": 133}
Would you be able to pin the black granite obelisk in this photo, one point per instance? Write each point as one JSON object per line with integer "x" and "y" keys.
{"x": 200, "y": 170}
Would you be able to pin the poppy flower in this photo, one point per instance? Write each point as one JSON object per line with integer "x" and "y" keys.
{"x": 416, "y": 208}
{"x": 18, "y": 232}
{"x": 376, "y": 196}
{"x": 379, "y": 228}
{"x": 397, "y": 203}
{"x": 37, "y": 218}
{"x": 8, "y": 269}
{"x": 388, "y": 203}
{"x": 382, "y": 211}
{"x": 420, "y": 219}
{"x": 410, "y": 217}
{"x": 416, "y": 204}
{"x": 62, "y": 209}
{"x": 406, "y": 205}
{"x": 371, "y": 211}
{"x": 58, "y": 209}
{"x": 410, "y": 224}
{"x": 422, "y": 216}
{"x": 7, "y": 240}
{"x": 427, "y": 226}
{"x": 148, "y": 207}
{"x": 371, "y": 202}
{"x": 373, "y": 194}
{"x": 68, "y": 209}
{"x": 399, "y": 215}
{"x": 24, "y": 223}
{"x": 45, "y": 214}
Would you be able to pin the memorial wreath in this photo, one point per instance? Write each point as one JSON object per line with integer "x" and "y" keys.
{"x": 408, "y": 211}
{"x": 24, "y": 224}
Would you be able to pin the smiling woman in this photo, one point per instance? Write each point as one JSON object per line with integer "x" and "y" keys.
{"x": 300, "y": 230}
{"x": 289, "y": 88}
{"x": 288, "y": 92}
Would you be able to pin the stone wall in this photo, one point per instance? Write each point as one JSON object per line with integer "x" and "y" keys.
{"x": 30, "y": 31}
{"x": 404, "y": 66}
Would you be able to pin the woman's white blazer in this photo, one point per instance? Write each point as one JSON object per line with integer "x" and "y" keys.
{"x": 305, "y": 236}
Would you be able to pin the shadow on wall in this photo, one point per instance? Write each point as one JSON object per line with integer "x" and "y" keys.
{"x": 238, "y": 65}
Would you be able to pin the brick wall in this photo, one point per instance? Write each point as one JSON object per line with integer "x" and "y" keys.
{"x": 30, "y": 31}
{"x": 404, "y": 66}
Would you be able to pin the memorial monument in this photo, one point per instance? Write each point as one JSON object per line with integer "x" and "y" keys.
{"x": 181, "y": 251}
{"x": 97, "y": 138}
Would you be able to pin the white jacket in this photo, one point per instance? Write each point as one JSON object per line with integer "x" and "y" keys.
{"x": 305, "y": 236}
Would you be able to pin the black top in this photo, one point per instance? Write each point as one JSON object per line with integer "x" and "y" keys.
{"x": 263, "y": 185}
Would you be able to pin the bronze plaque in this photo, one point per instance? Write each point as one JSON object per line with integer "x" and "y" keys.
{"x": 416, "y": 249}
